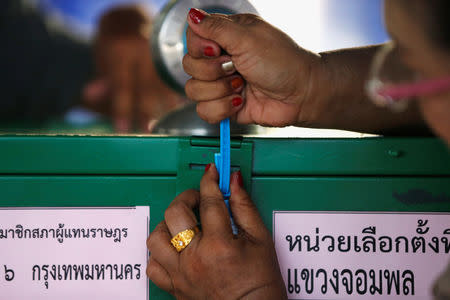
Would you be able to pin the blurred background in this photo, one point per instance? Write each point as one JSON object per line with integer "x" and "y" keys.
{"x": 83, "y": 66}
{"x": 317, "y": 25}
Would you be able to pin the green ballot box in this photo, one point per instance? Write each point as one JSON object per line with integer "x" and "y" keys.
{"x": 350, "y": 218}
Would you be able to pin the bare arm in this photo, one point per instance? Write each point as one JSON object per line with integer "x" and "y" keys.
{"x": 342, "y": 102}
{"x": 283, "y": 85}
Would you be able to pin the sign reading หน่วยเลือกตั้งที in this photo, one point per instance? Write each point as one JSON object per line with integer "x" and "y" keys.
{"x": 361, "y": 255}
{"x": 74, "y": 253}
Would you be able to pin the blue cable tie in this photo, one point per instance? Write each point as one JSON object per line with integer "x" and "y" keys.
{"x": 223, "y": 166}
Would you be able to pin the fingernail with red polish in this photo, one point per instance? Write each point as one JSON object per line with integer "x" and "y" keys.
{"x": 196, "y": 15}
{"x": 236, "y": 101}
{"x": 209, "y": 51}
{"x": 237, "y": 83}
{"x": 238, "y": 178}
{"x": 207, "y": 167}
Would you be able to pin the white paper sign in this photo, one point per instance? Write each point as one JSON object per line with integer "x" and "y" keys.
{"x": 334, "y": 255}
{"x": 74, "y": 253}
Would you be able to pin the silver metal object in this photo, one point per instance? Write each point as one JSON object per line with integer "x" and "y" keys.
{"x": 186, "y": 122}
{"x": 168, "y": 39}
{"x": 228, "y": 67}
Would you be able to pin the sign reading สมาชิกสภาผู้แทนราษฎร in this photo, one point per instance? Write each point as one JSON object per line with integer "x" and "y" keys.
{"x": 358, "y": 255}
{"x": 74, "y": 253}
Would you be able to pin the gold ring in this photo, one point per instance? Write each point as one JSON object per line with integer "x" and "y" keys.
{"x": 182, "y": 239}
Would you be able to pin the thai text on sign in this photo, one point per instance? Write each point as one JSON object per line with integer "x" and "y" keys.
{"x": 74, "y": 253}
{"x": 334, "y": 255}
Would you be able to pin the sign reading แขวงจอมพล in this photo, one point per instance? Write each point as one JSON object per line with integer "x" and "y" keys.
{"x": 361, "y": 255}
{"x": 74, "y": 253}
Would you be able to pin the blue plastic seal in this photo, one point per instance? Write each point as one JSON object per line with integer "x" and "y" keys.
{"x": 222, "y": 159}
{"x": 223, "y": 165}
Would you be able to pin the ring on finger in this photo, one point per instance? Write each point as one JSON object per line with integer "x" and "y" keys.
{"x": 228, "y": 67}
{"x": 182, "y": 239}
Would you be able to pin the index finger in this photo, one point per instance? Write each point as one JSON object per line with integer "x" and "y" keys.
{"x": 213, "y": 211}
{"x": 180, "y": 215}
{"x": 199, "y": 47}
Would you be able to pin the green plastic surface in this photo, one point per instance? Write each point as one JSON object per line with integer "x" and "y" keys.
{"x": 195, "y": 153}
{"x": 372, "y": 174}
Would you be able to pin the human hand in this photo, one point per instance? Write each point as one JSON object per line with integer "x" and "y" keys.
{"x": 128, "y": 88}
{"x": 216, "y": 264}
{"x": 274, "y": 75}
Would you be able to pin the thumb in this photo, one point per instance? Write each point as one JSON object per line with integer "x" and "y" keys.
{"x": 219, "y": 28}
{"x": 244, "y": 211}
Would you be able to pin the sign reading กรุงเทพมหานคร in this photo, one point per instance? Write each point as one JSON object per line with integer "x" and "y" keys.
{"x": 74, "y": 253}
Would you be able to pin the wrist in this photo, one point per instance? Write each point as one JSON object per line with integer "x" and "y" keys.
{"x": 338, "y": 97}
{"x": 318, "y": 88}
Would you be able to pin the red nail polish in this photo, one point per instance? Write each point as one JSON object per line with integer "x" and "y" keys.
{"x": 207, "y": 167}
{"x": 236, "y": 101}
{"x": 240, "y": 180}
{"x": 237, "y": 83}
{"x": 209, "y": 51}
{"x": 196, "y": 15}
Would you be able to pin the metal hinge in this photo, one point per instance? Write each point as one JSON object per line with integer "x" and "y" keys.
{"x": 194, "y": 153}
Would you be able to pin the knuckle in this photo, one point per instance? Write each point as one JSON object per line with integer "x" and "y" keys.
{"x": 201, "y": 264}
{"x": 202, "y": 113}
{"x": 148, "y": 242}
{"x": 195, "y": 270}
{"x": 190, "y": 89}
{"x": 214, "y": 120}
{"x": 174, "y": 208}
{"x": 222, "y": 249}
{"x": 151, "y": 241}
{"x": 215, "y": 25}
{"x": 190, "y": 193}
{"x": 187, "y": 64}
{"x": 179, "y": 287}
{"x": 150, "y": 273}
{"x": 155, "y": 236}
{"x": 179, "y": 205}
{"x": 246, "y": 19}
{"x": 246, "y": 202}
{"x": 223, "y": 113}
{"x": 225, "y": 85}
{"x": 171, "y": 211}
{"x": 210, "y": 201}
{"x": 195, "y": 267}
{"x": 199, "y": 111}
